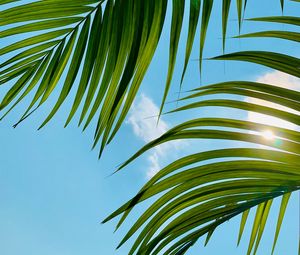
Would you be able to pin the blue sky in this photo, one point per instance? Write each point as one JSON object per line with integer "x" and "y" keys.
{"x": 54, "y": 192}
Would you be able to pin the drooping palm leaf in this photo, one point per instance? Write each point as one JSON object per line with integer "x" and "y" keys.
{"x": 193, "y": 22}
{"x": 122, "y": 37}
{"x": 225, "y": 13}
{"x": 206, "y": 12}
{"x": 214, "y": 175}
{"x": 195, "y": 196}
{"x": 239, "y": 5}
{"x": 177, "y": 19}
{"x": 105, "y": 45}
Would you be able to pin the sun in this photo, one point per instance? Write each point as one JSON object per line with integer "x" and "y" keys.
{"x": 268, "y": 135}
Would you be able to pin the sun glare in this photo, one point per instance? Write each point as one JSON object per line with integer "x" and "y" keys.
{"x": 268, "y": 135}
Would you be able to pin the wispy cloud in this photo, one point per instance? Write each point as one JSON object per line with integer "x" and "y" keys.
{"x": 282, "y": 80}
{"x": 143, "y": 120}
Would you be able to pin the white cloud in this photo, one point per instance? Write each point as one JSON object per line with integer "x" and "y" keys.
{"x": 282, "y": 80}
{"x": 143, "y": 120}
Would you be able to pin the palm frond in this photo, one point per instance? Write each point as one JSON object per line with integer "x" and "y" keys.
{"x": 108, "y": 46}
{"x": 291, "y": 20}
{"x": 195, "y": 7}
{"x": 292, "y": 36}
{"x": 206, "y": 194}
{"x": 105, "y": 45}
{"x": 193, "y": 195}
{"x": 225, "y": 14}
{"x": 281, "y": 62}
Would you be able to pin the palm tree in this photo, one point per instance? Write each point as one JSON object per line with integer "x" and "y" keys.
{"x": 104, "y": 48}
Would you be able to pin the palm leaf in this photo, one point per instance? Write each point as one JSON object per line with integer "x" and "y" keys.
{"x": 291, "y": 20}
{"x": 292, "y": 36}
{"x": 225, "y": 13}
{"x": 281, "y": 62}
{"x": 112, "y": 64}
{"x": 8, "y": 1}
{"x": 179, "y": 187}
{"x": 193, "y": 21}
{"x": 122, "y": 37}
{"x": 177, "y": 18}
{"x": 206, "y": 12}
{"x": 239, "y": 5}
{"x": 193, "y": 196}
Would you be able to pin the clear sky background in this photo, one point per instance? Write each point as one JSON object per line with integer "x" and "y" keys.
{"x": 54, "y": 192}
